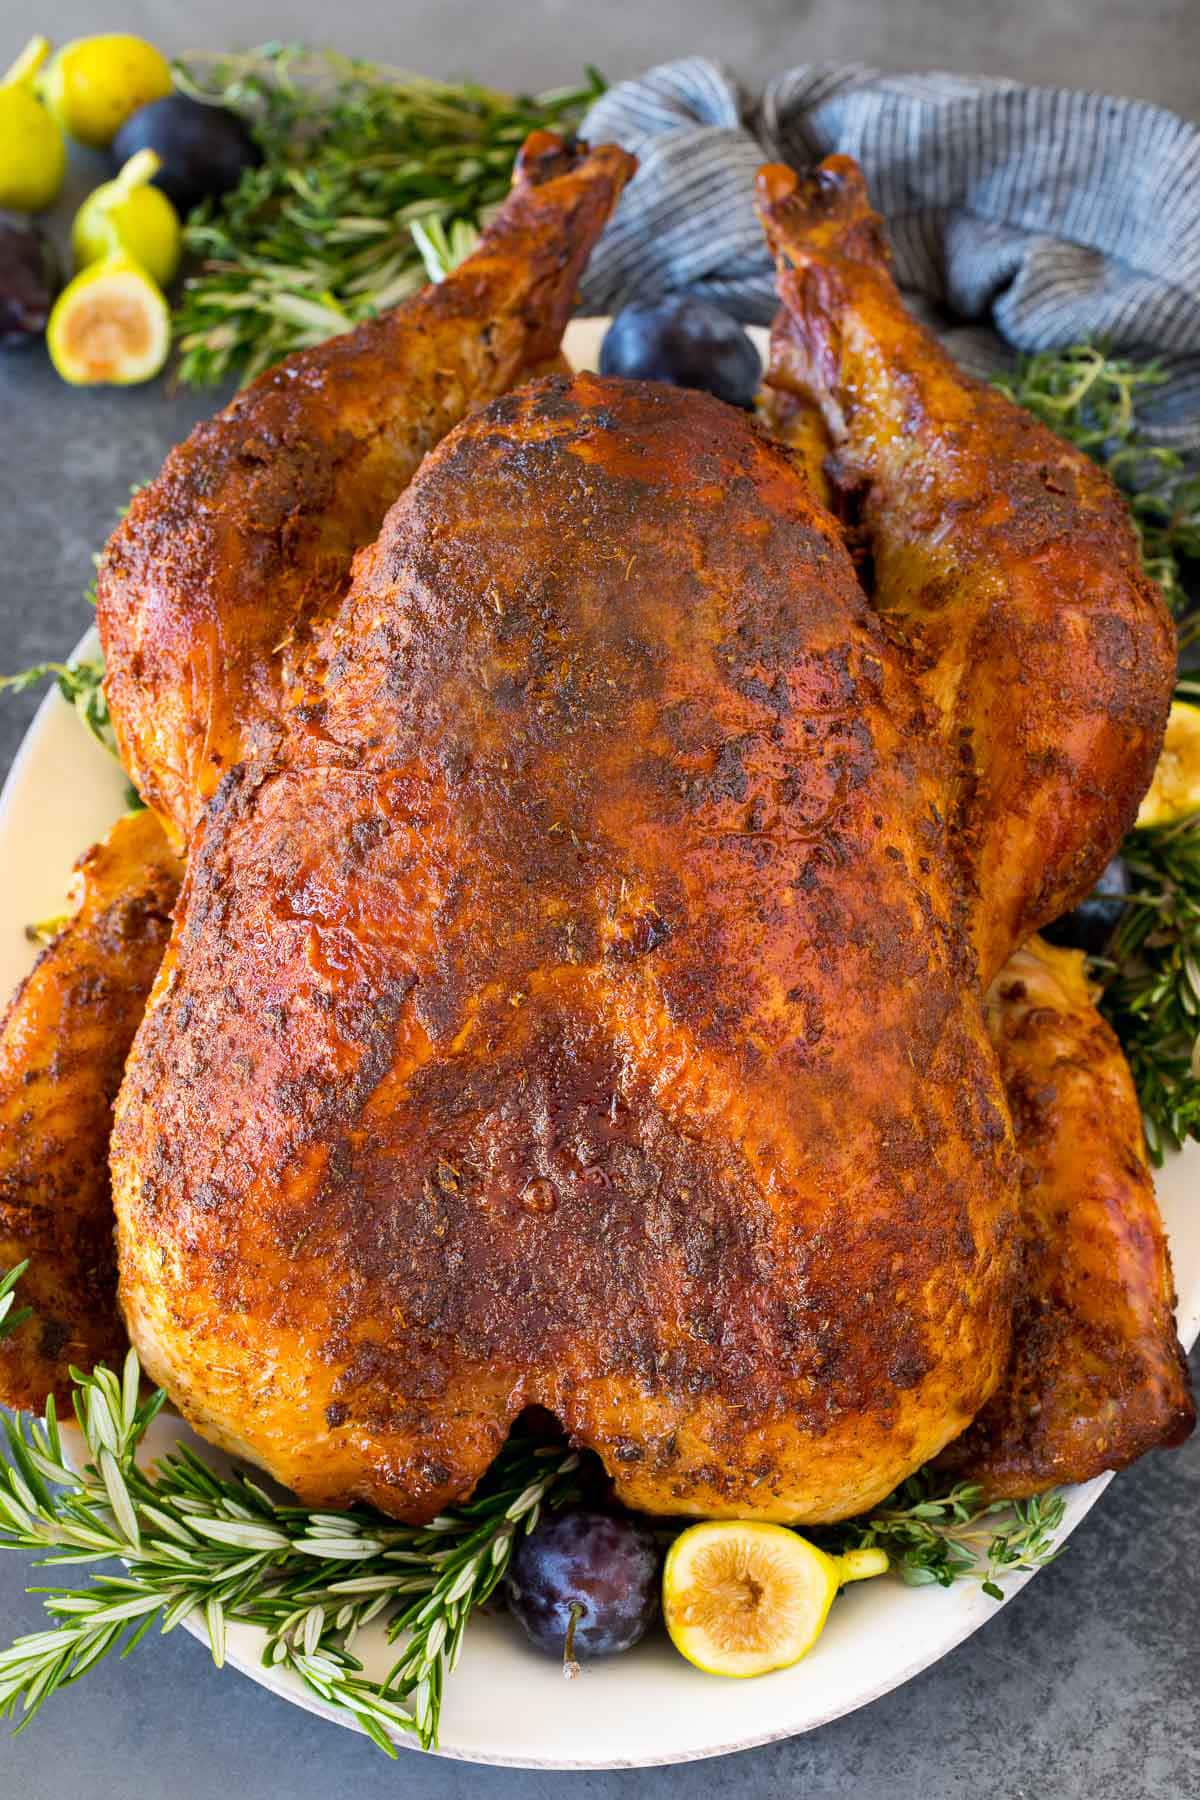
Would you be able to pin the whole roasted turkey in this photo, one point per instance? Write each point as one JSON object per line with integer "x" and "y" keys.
{"x": 591, "y": 983}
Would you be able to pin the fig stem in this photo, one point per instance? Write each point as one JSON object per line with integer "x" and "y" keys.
{"x": 142, "y": 167}
{"x": 22, "y": 71}
{"x": 860, "y": 1565}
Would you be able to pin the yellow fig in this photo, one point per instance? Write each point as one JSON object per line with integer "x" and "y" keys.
{"x": 33, "y": 156}
{"x": 93, "y": 84}
{"x": 128, "y": 214}
{"x": 1175, "y": 791}
{"x": 110, "y": 325}
{"x": 742, "y": 1597}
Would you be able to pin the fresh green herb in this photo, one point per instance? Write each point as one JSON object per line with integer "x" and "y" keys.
{"x": 932, "y": 1534}
{"x": 366, "y": 170}
{"x": 1152, "y": 994}
{"x": 44, "y": 931}
{"x": 443, "y": 247}
{"x": 197, "y": 1542}
{"x": 81, "y": 685}
{"x": 1091, "y": 400}
{"x": 1151, "y": 978}
{"x": 12, "y": 1316}
{"x": 193, "y": 1541}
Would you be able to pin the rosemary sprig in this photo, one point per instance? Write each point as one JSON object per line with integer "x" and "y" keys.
{"x": 196, "y": 1541}
{"x": 1152, "y": 994}
{"x": 943, "y": 1536}
{"x": 364, "y": 167}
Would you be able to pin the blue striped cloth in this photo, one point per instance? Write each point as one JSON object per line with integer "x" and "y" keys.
{"x": 1024, "y": 217}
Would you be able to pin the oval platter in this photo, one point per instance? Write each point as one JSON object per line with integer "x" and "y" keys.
{"x": 505, "y": 1704}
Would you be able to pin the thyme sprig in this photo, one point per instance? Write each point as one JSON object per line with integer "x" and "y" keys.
{"x": 935, "y": 1535}
{"x": 364, "y": 167}
{"x": 195, "y": 1541}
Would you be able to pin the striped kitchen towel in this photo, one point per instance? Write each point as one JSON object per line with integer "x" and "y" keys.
{"x": 1027, "y": 218}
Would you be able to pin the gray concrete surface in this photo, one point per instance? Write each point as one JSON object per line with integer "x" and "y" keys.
{"x": 1085, "y": 1688}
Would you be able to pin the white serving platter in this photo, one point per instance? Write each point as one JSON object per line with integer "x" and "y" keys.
{"x": 505, "y": 1704}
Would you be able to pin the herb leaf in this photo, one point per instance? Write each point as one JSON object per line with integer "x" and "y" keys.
{"x": 195, "y": 1541}
{"x": 12, "y": 1316}
{"x": 1152, "y": 996}
{"x": 1091, "y": 399}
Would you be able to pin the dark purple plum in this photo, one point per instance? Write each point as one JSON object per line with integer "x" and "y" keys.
{"x": 599, "y": 1569}
{"x": 687, "y": 342}
{"x": 29, "y": 280}
{"x": 1089, "y": 925}
{"x": 203, "y": 148}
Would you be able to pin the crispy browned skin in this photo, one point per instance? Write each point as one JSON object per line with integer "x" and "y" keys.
{"x": 209, "y": 591}
{"x": 63, "y": 1045}
{"x": 585, "y": 1015}
{"x": 1097, "y": 1376}
{"x": 1005, "y": 556}
{"x": 243, "y": 541}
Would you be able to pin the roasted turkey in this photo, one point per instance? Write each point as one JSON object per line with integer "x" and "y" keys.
{"x": 579, "y": 992}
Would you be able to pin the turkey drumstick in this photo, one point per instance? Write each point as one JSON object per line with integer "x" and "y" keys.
{"x": 209, "y": 591}
{"x": 1096, "y": 1376}
{"x": 1006, "y": 557}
